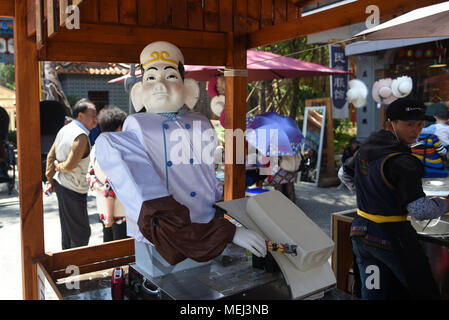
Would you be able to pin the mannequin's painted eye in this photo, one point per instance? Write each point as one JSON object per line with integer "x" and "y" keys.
{"x": 151, "y": 78}
{"x": 172, "y": 76}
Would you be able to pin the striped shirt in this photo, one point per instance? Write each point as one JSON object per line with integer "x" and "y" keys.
{"x": 431, "y": 152}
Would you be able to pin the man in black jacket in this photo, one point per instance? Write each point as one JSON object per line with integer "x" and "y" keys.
{"x": 387, "y": 180}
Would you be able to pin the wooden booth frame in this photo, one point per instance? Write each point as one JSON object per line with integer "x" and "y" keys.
{"x": 208, "y": 32}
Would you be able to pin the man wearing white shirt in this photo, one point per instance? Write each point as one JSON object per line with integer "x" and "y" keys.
{"x": 67, "y": 164}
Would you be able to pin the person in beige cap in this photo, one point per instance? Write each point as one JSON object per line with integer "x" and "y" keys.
{"x": 169, "y": 198}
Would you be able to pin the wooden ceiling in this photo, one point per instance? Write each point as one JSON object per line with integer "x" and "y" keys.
{"x": 117, "y": 30}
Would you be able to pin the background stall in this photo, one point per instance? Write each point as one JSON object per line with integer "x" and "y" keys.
{"x": 207, "y": 32}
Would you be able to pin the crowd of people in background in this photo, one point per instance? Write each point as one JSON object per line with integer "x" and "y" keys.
{"x": 71, "y": 171}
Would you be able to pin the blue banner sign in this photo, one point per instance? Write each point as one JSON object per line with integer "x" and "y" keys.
{"x": 6, "y": 40}
{"x": 339, "y": 83}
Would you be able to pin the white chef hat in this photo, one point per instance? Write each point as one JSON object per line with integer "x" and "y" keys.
{"x": 162, "y": 52}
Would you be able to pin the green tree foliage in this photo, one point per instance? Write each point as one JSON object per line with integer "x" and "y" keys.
{"x": 287, "y": 96}
{"x": 7, "y": 76}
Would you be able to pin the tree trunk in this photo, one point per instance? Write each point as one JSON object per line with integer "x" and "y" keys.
{"x": 262, "y": 96}
{"x": 51, "y": 87}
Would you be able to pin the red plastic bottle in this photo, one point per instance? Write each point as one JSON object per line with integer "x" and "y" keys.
{"x": 117, "y": 284}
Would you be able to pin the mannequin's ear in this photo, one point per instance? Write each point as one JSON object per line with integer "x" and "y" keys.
{"x": 191, "y": 92}
{"x": 136, "y": 96}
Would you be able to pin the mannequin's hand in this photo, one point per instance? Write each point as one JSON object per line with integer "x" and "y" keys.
{"x": 251, "y": 241}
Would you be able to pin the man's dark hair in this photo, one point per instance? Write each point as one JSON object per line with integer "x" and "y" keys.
{"x": 81, "y": 106}
{"x": 110, "y": 118}
{"x": 442, "y": 114}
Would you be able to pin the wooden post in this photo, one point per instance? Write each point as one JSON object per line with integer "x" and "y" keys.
{"x": 236, "y": 87}
{"x": 29, "y": 150}
{"x": 235, "y": 109}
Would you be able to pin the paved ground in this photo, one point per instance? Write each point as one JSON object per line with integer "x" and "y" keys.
{"x": 317, "y": 203}
{"x": 10, "y": 251}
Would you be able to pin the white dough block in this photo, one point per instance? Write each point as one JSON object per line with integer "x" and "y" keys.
{"x": 283, "y": 222}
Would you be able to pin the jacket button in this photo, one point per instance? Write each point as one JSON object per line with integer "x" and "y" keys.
{"x": 169, "y": 163}
{"x": 192, "y": 194}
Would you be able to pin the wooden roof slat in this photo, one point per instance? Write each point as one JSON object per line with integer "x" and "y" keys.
{"x": 128, "y": 12}
{"x": 108, "y": 10}
{"x": 253, "y": 15}
{"x": 195, "y": 14}
{"x": 211, "y": 15}
{"x": 7, "y": 8}
{"x": 163, "y": 14}
{"x": 280, "y": 11}
{"x": 62, "y": 11}
{"x": 293, "y": 11}
{"x": 52, "y": 20}
{"x": 89, "y": 11}
{"x": 39, "y": 23}
{"x": 303, "y": 3}
{"x": 225, "y": 10}
{"x": 343, "y": 15}
{"x": 146, "y": 10}
{"x": 240, "y": 18}
{"x": 31, "y": 18}
{"x": 179, "y": 14}
{"x": 266, "y": 13}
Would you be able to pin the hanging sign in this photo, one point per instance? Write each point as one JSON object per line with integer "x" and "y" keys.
{"x": 339, "y": 83}
{"x": 6, "y": 41}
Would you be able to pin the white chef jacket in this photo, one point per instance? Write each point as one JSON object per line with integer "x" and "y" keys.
{"x": 158, "y": 155}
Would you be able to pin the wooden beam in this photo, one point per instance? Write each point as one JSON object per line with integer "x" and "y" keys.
{"x": 87, "y": 255}
{"x": 7, "y": 8}
{"x": 133, "y": 35}
{"x": 235, "y": 110}
{"x": 118, "y": 43}
{"x": 29, "y": 150}
{"x": 123, "y": 53}
{"x": 343, "y": 15}
{"x": 97, "y": 266}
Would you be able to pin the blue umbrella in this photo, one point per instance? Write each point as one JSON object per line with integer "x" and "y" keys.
{"x": 273, "y": 134}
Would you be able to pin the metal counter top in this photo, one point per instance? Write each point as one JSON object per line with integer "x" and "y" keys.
{"x": 229, "y": 277}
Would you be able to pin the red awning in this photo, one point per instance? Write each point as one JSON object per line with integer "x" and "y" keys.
{"x": 261, "y": 65}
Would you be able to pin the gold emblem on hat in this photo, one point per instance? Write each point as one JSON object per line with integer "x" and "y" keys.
{"x": 163, "y": 56}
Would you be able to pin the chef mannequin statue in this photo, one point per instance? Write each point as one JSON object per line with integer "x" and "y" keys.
{"x": 168, "y": 196}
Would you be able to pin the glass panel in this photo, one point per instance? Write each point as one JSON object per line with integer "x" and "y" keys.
{"x": 313, "y": 131}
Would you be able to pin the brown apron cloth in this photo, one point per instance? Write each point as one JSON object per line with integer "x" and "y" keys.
{"x": 166, "y": 223}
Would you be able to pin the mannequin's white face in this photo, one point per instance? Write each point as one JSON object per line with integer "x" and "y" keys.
{"x": 162, "y": 88}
